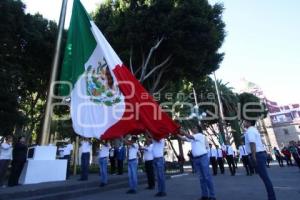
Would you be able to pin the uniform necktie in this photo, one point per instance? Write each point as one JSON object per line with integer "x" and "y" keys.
{"x": 244, "y": 150}
{"x": 217, "y": 153}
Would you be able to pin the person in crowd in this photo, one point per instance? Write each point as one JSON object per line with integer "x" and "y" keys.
{"x": 113, "y": 158}
{"x": 269, "y": 159}
{"x": 18, "y": 162}
{"x": 159, "y": 164}
{"x": 190, "y": 155}
{"x": 258, "y": 155}
{"x": 121, "y": 155}
{"x": 86, "y": 148}
{"x": 148, "y": 159}
{"x": 67, "y": 154}
{"x": 133, "y": 149}
{"x": 5, "y": 156}
{"x": 220, "y": 159}
{"x": 200, "y": 149}
{"x": 236, "y": 158}
{"x": 230, "y": 159}
{"x": 287, "y": 156}
{"x": 294, "y": 149}
{"x": 213, "y": 159}
{"x": 103, "y": 159}
{"x": 244, "y": 158}
{"x": 278, "y": 156}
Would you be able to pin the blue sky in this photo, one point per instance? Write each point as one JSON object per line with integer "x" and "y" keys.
{"x": 263, "y": 46}
{"x": 262, "y": 43}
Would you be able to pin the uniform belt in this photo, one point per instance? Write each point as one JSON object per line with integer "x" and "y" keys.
{"x": 132, "y": 159}
{"x": 260, "y": 152}
{"x": 158, "y": 157}
{"x": 103, "y": 158}
{"x": 196, "y": 157}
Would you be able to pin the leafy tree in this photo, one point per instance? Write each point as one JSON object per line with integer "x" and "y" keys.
{"x": 27, "y": 45}
{"x": 164, "y": 40}
{"x": 11, "y": 17}
{"x": 251, "y": 107}
{"x": 39, "y": 35}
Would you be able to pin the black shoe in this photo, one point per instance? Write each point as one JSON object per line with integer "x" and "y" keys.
{"x": 102, "y": 184}
{"x": 149, "y": 188}
{"x": 204, "y": 198}
{"x": 161, "y": 194}
{"x": 131, "y": 192}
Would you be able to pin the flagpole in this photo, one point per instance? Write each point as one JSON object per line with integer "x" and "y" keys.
{"x": 222, "y": 121}
{"x": 47, "y": 117}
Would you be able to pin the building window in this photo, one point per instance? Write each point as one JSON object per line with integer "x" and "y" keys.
{"x": 285, "y": 131}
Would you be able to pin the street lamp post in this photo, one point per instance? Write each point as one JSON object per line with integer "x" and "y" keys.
{"x": 222, "y": 125}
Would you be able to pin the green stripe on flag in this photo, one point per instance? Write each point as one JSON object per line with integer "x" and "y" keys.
{"x": 80, "y": 45}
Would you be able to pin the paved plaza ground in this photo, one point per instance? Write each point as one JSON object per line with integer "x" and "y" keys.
{"x": 179, "y": 187}
{"x": 240, "y": 187}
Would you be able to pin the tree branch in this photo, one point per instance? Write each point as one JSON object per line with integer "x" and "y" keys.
{"x": 148, "y": 59}
{"x": 157, "y": 67}
{"x": 130, "y": 60}
{"x": 157, "y": 80}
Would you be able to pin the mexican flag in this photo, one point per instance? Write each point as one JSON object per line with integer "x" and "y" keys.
{"x": 107, "y": 101}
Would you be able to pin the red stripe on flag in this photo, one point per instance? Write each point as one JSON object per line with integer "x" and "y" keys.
{"x": 146, "y": 113}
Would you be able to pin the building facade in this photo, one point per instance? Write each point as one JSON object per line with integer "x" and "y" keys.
{"x": 283, "y": 122}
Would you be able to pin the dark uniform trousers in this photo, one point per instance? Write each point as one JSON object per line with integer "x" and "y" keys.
{"x": 246, "y": 164}
{"x": 221, "y": 165}
{"x": 150, "y": 173}
{"x": 214, "y": 164}
{"x": 231, "y": 164}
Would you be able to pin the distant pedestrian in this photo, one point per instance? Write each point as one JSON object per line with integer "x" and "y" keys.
{"x": 230, "y": 159}
{"x": 269, "y": 159}
{"x": 121, "y": 155}
{"x": 294, "y": 149}
{"x": 190, "y": 155}
{"x": 103, "y": 159}
{"x": 213, "y": 159}
{"x": 278, "y": 156}
{"x": 236, "y": 159}
{"x": 159, "y": 164}
{"x": 200, "y": 150}
{"x": 220, "y": 159}
{"x": 67, "y": 154}
{"x": 245, "y": 159}
{"x": 113, "y": 159}
{"x": 133, "y": 149}
{"x": 6, "y": 149}
{"x": 287, "y": 156}
{"x": 258, "y": 155}
{"x": 18, "y": 162}
{"x": 149, "y": 168}
{"x": 86, "y": 148}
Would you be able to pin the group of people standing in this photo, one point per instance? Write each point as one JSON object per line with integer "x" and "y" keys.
{"x": 287, "y": 153}
{"x": 14, "y": 155}
{"x": 217, "y": 156}
{"x": 153, "y": 154}
{"x": 252, "y": 151}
